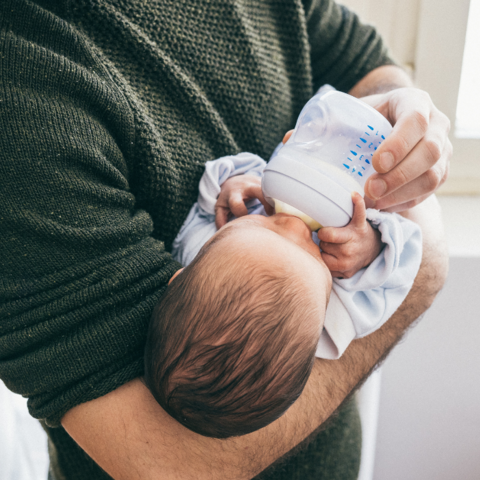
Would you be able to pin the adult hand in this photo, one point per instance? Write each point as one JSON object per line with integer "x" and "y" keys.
{"x": 414, "y": 159}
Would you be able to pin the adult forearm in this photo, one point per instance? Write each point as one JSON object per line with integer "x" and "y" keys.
{"x": 365, "y": 354}
{"x": 381, "y": 80}
{"x": 131, "y": 437}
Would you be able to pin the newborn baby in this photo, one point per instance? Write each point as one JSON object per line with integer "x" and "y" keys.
{"x": 232, "y": 343}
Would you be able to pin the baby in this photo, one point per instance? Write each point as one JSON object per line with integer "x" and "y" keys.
{"x": 232, "y": 342}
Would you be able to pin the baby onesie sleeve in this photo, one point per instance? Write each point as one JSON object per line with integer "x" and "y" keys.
{"x": 199, "y": 226}
{"x": 363, "y": 303}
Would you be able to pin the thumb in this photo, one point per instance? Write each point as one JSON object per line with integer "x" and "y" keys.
{"x": 359, "y": 213}
{"x": 255, "y": 191}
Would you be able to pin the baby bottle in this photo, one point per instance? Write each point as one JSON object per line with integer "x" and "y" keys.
{"x": 328, "y": 156}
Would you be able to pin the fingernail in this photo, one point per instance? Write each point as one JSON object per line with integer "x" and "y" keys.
{"x": 377, "y": 188}
{"x": 386, "y": 161}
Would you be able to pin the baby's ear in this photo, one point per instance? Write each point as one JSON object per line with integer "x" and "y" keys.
{"x": 178, "y": 272}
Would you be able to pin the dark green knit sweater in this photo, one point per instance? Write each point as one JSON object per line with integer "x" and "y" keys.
{"x": 108, "y": 111}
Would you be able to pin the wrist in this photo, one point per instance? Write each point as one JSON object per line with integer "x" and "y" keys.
{"x": 376, "y": 244}
{"x": 381, "y": 80}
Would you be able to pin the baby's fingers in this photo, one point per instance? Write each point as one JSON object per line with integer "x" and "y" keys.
{"x": 334, "y": 235}
{"x": 339, "y": 266}
{"x": 237, "y": 205}
{"x": 221, "y": 216}
{"x": 254, "y": 190}
{"x": 332, "y": 263}
{"x": 359, "y": 213}
{"x": 333, "y": 249}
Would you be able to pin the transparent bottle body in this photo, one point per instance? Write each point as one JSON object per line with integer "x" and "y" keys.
{"x": 339, "y": 135}
{"x": 330, "y": 152}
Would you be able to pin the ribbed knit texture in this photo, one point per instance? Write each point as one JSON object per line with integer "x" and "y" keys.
{"x": 108, "y": 111}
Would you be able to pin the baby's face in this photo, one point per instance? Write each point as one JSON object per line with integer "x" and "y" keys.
{"x": 286, "y": 226}
{"x": 285, "y": 241}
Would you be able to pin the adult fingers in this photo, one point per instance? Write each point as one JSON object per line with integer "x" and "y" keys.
{"x": 417, "y": 144}
{"x": 418, "y": 189}
{"x": 409, "y": 113}
{"x": 397, "y": 208}
{"x": 431, "y": 156}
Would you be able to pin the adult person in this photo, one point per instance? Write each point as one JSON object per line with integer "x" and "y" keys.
{"x": 109, "y": 110}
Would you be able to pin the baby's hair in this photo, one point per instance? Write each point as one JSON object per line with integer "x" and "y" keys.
{"x": 229, "y": 348}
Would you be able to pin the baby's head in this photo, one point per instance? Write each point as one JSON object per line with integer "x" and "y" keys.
{"x": 232, "y": 342}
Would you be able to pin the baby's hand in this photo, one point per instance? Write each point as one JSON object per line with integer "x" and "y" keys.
{"x": 348, "y": 249}
{"x": 234, "y": 193}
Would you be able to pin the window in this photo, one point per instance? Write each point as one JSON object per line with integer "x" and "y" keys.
{"x": 467, "y": 123}
{"x": 429, "y": 37}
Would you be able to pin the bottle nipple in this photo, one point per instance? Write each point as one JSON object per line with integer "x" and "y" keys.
{"x": 282, "y": 207}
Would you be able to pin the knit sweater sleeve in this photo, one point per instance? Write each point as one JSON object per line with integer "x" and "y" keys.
{"x": 79, "y": 270}
{"x": 342, "y": 49}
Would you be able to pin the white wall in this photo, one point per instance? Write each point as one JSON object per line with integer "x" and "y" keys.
{"x": 397, "y": 21}
{"x": 429, "y": 422}
{"x": 428, "y": 37}
{"x": 23, "y": 443}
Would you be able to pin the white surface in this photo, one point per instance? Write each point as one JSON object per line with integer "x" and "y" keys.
{"x": 461, "y": 216}
{"x": 468, "y": 107}
{"x": 429, "y": 410}
{"x": 23, "y": 443}
{"x": 438, "y": 66}
{"x": 429, "y": 413}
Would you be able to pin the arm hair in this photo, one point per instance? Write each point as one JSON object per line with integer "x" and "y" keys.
{"x": 131, "y": 437}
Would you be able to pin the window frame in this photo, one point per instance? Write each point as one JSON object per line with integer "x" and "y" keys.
{"x": 442, "y": 27}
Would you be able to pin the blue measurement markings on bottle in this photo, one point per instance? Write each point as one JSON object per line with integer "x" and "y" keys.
{"x": 355, "y": 167}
